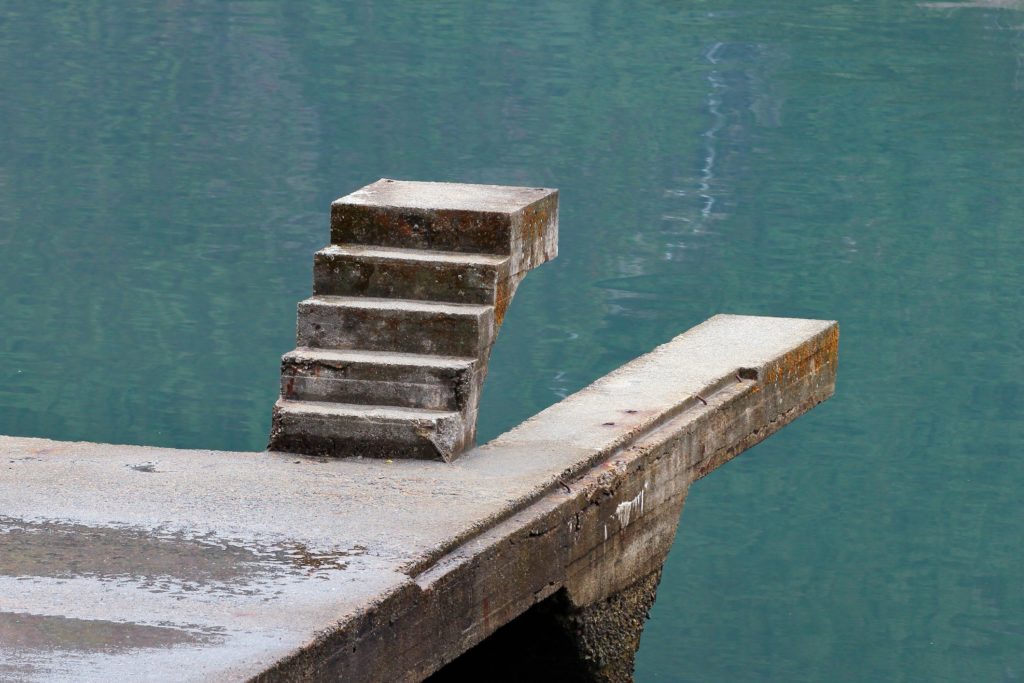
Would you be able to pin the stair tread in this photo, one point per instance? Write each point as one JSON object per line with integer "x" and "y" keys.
{"x": 398, "y": 305}
{"x": 364, "y": 411}
{"x": 403, "y": 254}
{"x": 313, "y": 354}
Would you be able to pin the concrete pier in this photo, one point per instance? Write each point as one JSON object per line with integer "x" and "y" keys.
{"x": 134, "y": 563}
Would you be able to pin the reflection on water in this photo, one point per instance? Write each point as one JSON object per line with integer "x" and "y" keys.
{"x": 165, "y": 173}
{"x": 977, "y": 4}
{"x": 738, "y": 100}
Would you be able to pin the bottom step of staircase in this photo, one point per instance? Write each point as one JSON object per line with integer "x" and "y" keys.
{"x": 342, "y": 429}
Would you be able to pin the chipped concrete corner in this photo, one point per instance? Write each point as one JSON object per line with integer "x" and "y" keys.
{"x": 407, "y": 302}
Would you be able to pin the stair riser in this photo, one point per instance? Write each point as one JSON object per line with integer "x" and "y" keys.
{"x": 367, "y": 384}
{"x": 471, "y": 232}
{"x": 429, "y": 332}
{"x": 353, "y": 275}
{"x": 315, "y": 434}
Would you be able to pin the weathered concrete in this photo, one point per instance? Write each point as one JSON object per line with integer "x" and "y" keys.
{"x": 337, "y": 322}
{"x": 136, "y": 562}
{"x": 341, "y": 429}
{"x": 376, "y": 378}
{"x": 606, "y": 634}
{"x": 408, "y": 274}
{"x": 418, "y": 269}
{"x": 519, "y": 222}
{"x": 557, "y": 641}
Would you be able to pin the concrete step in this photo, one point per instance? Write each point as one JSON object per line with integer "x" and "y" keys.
{"x": 341, "y": 429}
{"x": 519, "y": 222}
{"x": 399, "y": 325}
{"x": 390, "y": 273}
{"x": 378, "y": 378}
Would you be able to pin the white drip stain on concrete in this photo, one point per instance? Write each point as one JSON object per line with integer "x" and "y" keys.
{"x": 625, "y": 510}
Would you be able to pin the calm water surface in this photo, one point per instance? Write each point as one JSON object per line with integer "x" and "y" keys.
{"x": 165, "y": 175}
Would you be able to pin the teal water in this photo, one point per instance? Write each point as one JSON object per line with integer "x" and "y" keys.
{"x": 165, "y": 175}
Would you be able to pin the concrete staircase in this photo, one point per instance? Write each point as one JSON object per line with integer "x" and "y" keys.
{"x": 407, "y": 302}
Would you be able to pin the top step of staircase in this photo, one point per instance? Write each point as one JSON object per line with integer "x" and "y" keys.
{"x": 520, "y": 222}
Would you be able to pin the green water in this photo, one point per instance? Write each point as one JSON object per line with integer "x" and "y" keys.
{"x": 165, "y": 175}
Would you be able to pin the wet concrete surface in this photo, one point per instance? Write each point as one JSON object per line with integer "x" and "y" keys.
{"x": 109, "y": 571}
{"x": 34, "y": 632}
{"x": 61, "y": 549}
{"x": 138, "y": 563}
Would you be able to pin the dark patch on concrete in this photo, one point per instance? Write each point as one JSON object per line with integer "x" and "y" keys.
{"x": 48, "y": 633}
{"x": 160, "y": 561}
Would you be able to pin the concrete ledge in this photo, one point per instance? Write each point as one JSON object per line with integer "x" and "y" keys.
{"x": 270, "y": 566}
